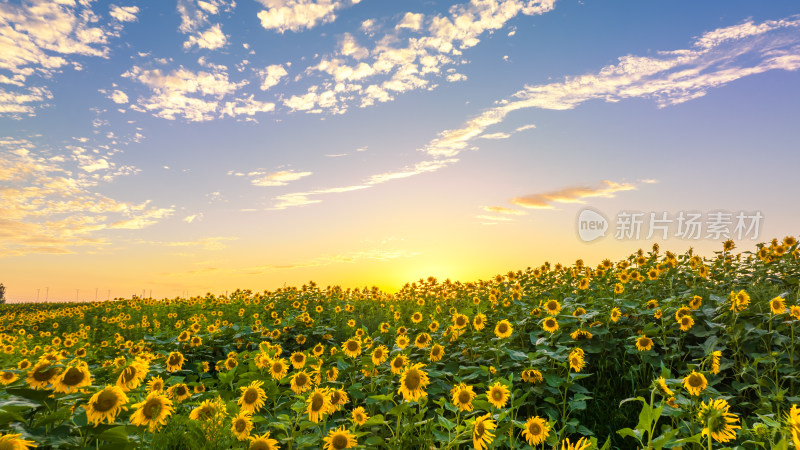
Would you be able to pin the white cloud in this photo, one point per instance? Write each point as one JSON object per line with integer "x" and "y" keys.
{"x": 411, "y": 21}
{"x": 272, "y": 75}
{"x": 573, "y": 194}
{"x": 499, "y": 135}
{"x": 124, "y": 13}
{"x": 213, "y": 38}
{"x": 295, "y": 15}
{"x": 673, "y": 77}
{"x": 119, "y": 97}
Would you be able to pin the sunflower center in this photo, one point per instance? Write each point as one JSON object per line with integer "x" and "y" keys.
{"x": 695, "y": 381}
{"x": 250, "y": 396}
{"x": 181, "y": 391}
{"x": 335, "y": 398}
{"x": 352, "y": 345}
{"x": 502, "y": 328}
{"x": 497, "y": 395}
{"x": 534, "y": 429}
{"x": 398, "y": 362}
{"x": 277, "y": 367}
{"x": 73, "y": 376}
{"x": 480, "y": 429}
{"x": 240, "y": 425}
{"x": 151, "y": 408}
{"x": 412, "y": 379}
{"x": 106, "y": 401}
{"x": 460, "y": 321}
{"x": 378, "y": 354}
{"x": 339, "y": 441}
{"x": 129, "y": 374}
{"x": 301, "y": 379}
{"x": 7, "y": 375}
{"x": 174, "y": 360}
{"x": 317, "y": 400}
{"x": 463, "y": 397}
{"x": 422, "y": 339}
{"x": 298, "y": 358}
{"x": 45, "y": 375}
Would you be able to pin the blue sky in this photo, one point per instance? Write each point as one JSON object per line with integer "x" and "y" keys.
{"x": 198, "y": 145}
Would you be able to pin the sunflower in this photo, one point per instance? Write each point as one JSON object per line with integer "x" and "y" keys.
{"x": 437, "y": 351}
{"x": 156, "y": 384}
{"x": 206, "y": 411}
{"x": 332, "y": 374}
{"x": 739, "y": 300}
{"x": 15, "y": 442}
{"x": 481, "y": 431}
{"x": 498, "y": 395}
{"x": 423, "y": 340}
{"x": 105, "y": 405}
{"x": 584, "y": 283}
{"x": 536, "y": 430}
{"x": 686, "y": 322}
{"x": 578, "y": 312}
{"x": 24, "y": 364}
{"x": 652, "y": 304}
{"x": 199, "y": 388}
{"x": 717, "y": 421}
{"x": 460, "y": 320}
{"x": 298, "y": 360}
{"x": 242, "y": 425}
{"x": 576, "y": 360}
{"x": 695, "y": 302}
{"x": 463, "y": 396}
{"x": 278, "y": 368}
{"x": 416, "y": 317}
{"x": 339, "y": 438}
{"x": 360, "y": 417}
{"x": 795, "y": 312}
{"x": 153, "y": 411}
{"x": 550, "y": 324}
{"x": 658, "y": 313}
{"x": 318, "y": 404}
{"x": 384, "y": 327}
{"x": 672, "y": 403}
{"x": 503, "y": 329}
{"x": 263, "y": 442}
{"x": 7, "y": 377}
{"x": 793, "y": 422}
{"x": 777, "y": 305}
{"x": 379, "y": 355}
{"x": 300, "y": 382}
{"x": 338, "y": 397}
{"x": 252, "y": 399}
{"x": 695, "y": 382}
{"x": 619, "y": 289}
{"x": 644, "y": 343}
{"x": 175, "y": 361}
{"x": 580, "y": 334}
{"x": 352, "y": 348}
{"x": 412, "y": 382}
{"x": 716, "y": 356}
{"x": 661, "y": 384}
{"x": 72, "y": 378}
{"x": 433, "y": 326}
{"x": 532, "y": 376}
{"x": 401, "y": 341}
{"x": 318, "y": 350}
{"x": 179, "y": 392}
{"x": 398, "y": 363}
{"x": 552, "y": 307}
{"x": 230, "y": 363}
{"x": 42, "y": 374}
{"x": 582, "y": 444}
{"x": 615, "y": 314}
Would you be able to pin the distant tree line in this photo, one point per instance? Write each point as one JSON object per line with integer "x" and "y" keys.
{"x": 2, "y": 293}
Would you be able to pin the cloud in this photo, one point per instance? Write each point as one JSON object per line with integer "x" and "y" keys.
{"x": 196, "y": 96}
{"x": 192, "y": 218}
{"x": 119, "y": 97}
{"x": 38, "y": 39}
{"x": 271, "y": 76}
{"x": 496, "y": 136}
{"x": 195, "y": 14}
{"x": 575, "y": 194}
{"x": 124, "y": 13}
{"x": 49, "y": 204}
{"x": 295, "y": 15}
{"x": 715, "y": 59}
{"x": 213, "y": 38}
{"x": 503, "y": 210}
{"x": 413, "y": 53}
{"x": 281, "y": 178}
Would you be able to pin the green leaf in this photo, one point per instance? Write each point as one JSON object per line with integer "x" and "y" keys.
{"x": 375, "y": 420}
{"x": 115, "y": 435}
{"x": 446, "y": 423}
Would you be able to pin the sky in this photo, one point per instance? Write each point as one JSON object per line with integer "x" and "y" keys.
{"x": 175, "y": 148}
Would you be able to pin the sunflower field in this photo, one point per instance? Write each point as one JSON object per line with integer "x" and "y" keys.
{"x": 658, "y": 350}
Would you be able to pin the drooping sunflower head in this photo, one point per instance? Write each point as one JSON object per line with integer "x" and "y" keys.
{"x": 437, "y": 351}
{"x": 481, "y": 431}
{"x": 532, "y": 376}
{"x": 423, "y": 340}
{"x": 338, "y": 398}
{"x": 661, "y": 384}
{"x": 536, "y": 430}
{"x": 74, "y": 377}
{"x": 717, "y": 421}
{"x": 263, "y": 442}
{"x": 695, "y": 302}
{"x": 616, "y": 313}
{"x": 15, "y": 442}
{"x": 175, "y": 361}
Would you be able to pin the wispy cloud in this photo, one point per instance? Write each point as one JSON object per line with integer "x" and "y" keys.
{"x": 573, "y": 194}
{"x": 714, "y": 59}
{"x": 503, "y": 210}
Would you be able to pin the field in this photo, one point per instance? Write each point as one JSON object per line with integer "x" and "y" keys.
{"x": 658, "y": 350}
